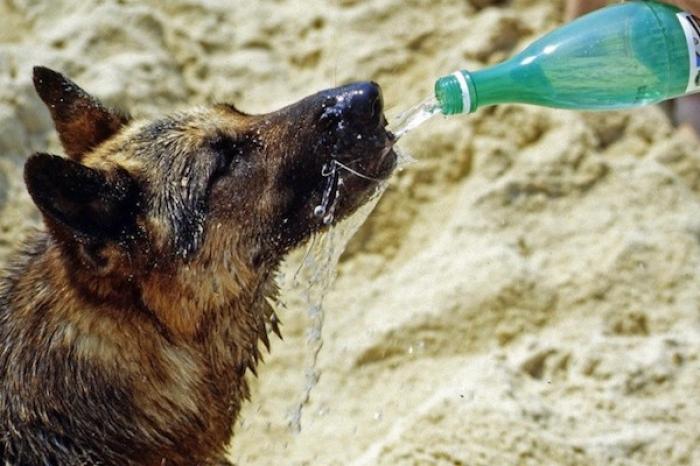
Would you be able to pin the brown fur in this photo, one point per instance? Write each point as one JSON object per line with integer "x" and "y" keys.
{"x": 128, "y": 326}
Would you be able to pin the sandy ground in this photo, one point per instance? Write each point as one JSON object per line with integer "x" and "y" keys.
{"x": 526, "y": 293}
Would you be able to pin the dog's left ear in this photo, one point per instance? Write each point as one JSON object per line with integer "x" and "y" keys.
{"x": 91, "y": 205}
{"x": 82, "y": 121}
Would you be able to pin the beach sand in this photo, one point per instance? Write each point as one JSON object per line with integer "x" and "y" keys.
{"x": 527, "y": 292}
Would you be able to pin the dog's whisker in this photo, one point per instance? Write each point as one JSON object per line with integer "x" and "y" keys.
{"x": 355, "y": 172}
{"x": 386, "y": 151}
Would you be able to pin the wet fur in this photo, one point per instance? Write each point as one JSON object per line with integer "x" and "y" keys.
{"x": 127, "y": 327}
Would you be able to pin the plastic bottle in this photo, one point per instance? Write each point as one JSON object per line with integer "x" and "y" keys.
{"x": 626, "y": 55}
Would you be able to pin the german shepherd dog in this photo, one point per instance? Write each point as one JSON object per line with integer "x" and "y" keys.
{"x": 127, "y": 327}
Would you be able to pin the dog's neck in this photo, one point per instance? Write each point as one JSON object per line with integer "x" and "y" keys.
{"x": 182, "y": 350}
{"x": 196, "y": 303}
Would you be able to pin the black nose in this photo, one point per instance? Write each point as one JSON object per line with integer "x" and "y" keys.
{"x": 362, "y": 102}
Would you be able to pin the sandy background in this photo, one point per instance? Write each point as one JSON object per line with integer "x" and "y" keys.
{"x": 526, "y": 293}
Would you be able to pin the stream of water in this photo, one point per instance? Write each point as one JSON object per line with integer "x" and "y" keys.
{"x": 314, "y": 278}
{"x": 317, "y": 271}
{"x": 415, "y": 116}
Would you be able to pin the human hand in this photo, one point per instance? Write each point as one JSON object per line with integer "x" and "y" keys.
{"x": 575, "y": 8}
{"x": 691, "y": 6}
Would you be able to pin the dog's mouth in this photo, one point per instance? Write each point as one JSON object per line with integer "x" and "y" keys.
{"x": 359, "y": 149}
{"x": 335, "y": 155}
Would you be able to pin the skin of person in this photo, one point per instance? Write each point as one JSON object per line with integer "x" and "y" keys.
{"x": 575, "y": 8}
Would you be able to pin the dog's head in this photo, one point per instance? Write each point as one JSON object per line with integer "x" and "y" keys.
{"x": 209, "y": 179}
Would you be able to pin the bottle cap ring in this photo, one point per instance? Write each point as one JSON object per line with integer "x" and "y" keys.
{"x": 466, "y": 98}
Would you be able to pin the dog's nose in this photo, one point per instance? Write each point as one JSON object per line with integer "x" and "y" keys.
{"x": 362, "y": 102}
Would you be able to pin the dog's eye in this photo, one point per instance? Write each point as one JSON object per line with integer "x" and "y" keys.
{"x": 228, "y": 151}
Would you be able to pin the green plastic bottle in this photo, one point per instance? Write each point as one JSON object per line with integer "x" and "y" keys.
{"x": 626, "y": 55}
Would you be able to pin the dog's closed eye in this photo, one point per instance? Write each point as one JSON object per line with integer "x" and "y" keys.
{"x": 229, "y": 152}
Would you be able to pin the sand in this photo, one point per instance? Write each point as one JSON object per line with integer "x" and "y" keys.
{"x": 526, "y": 293}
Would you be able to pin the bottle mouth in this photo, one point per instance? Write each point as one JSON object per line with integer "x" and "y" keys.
{"x": 453, "y": 93}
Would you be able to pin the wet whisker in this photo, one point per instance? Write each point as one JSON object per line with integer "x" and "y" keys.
{"x": 355, "y": 172}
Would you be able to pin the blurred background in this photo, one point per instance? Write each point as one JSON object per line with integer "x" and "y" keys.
{"x": 527, "y": 292}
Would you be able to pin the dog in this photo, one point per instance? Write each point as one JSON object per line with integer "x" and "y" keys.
{"x": 128, "y": 325}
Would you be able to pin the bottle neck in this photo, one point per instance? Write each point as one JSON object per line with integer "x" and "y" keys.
{"x": 465, "y": 92}
{"x": 498, "y": 84}
{"x": 455, "y": 93}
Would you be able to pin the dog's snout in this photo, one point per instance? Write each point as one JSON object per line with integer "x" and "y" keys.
{"x": 365, "y": 102}
{"x": 360, "y": 102}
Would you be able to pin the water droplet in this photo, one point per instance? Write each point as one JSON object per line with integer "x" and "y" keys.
{"x": 322, "y": 410}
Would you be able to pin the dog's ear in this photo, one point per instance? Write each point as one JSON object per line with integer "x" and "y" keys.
{"x": 81, "y": 120}
{"x": 90, "y": 204}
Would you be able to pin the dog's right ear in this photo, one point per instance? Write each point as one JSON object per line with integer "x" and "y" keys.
{"x": 82, "y": 121}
